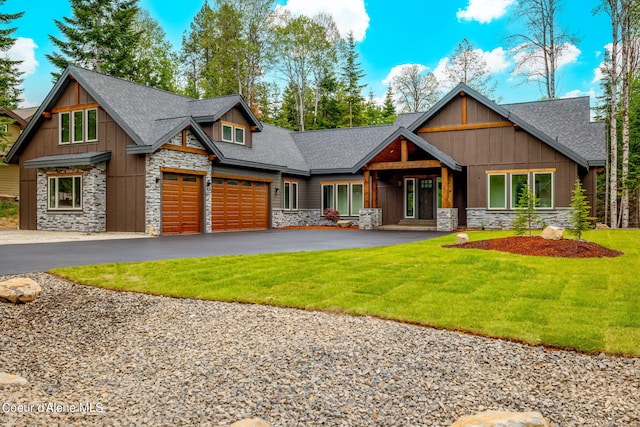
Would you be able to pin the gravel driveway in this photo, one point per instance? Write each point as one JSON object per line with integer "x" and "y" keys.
{"x": 146, "y": 360}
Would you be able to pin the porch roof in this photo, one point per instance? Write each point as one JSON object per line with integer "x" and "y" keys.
{"x": 66, "y": 160}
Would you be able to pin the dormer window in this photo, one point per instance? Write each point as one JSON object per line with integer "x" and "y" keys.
{"x": 233, "y": 133}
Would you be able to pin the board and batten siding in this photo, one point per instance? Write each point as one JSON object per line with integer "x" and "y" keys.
{"x": 493, "y": 149}
{"x": 233, "y": 116}
{"x": 125, "y": 172}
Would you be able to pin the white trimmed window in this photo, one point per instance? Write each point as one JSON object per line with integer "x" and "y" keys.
{"x": 345, "y": 197}
{"x": 78, "y": 126}
{"x": 233, "y": 133}
{"x": 504, "y": 188}
{"x": 290, "y": 195}
{"x": 4, "y": 128}
{"x": 65, "y": 192}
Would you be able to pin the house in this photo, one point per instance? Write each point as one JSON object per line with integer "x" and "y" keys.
{"x": 10, "y": 174}
{"x": 104, "y": 154}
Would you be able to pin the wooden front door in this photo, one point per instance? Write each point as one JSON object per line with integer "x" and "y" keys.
{"x": 426, "y": 199}
{"x": 239, "y": 204}
{"x": 181, "y": 203}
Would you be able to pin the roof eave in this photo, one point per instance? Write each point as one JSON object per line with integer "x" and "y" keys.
{"x": 93, "y": 159}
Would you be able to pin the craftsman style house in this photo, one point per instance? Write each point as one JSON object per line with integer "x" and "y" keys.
{"x": 104, "y": 154}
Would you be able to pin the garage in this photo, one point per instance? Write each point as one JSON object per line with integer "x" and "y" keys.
{"x": 181, "y": 203}
{"x": 239, "y": 204}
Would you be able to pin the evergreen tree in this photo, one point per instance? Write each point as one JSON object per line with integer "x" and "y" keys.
{"x": 526, "y": 216}
{"x": 389, "y": 109}
{"x": 580, "y": 220}
{"x": 372, "y": 111}
{"x": 157, "y": 63}
{"x": 10, "y": 90}
{"x": 100, "y": 36}
{"x": 352, "y": 74}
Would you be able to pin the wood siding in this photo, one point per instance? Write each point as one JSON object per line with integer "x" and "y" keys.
{"x": 125, "y": 172}
{"x": 500, "y": 148}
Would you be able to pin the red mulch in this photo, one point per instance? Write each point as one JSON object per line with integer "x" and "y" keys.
{"x": 318, "y": 227}
{"x": 537, "y": 246}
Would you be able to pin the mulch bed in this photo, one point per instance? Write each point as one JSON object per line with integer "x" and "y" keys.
{"x": 318, "y": 227}
{"x": 537, "y": 246}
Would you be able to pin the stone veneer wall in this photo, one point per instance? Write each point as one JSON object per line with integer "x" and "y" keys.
{"x": 498, "y": 220}
{"x": 447, "y": 219}
{"x": 93, "y": 216}
{"x": 301, "y": 217}
{"x": 177, "y": 160}
{"x": 370, "y": 218}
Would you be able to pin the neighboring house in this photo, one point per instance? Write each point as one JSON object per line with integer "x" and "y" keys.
{"x": 104, "y": 154}
{"x": 10, "y": 174}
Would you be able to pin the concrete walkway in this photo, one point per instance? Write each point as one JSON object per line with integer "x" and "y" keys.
{"x": 38, "y": 257}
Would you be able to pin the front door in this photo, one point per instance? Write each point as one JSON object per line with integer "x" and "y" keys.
{"x": 420, "y": 198}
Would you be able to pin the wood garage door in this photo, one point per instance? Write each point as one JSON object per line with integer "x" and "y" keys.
{"x": 181, "y": 203}
{"x": 239, "y": 204}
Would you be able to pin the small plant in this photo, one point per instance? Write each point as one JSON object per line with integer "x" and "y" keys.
{"x": 331, "y": 215}
{"x": 526, "y": 216}
{"x": 580, "y": 221}
{"x": 8, "y": 209}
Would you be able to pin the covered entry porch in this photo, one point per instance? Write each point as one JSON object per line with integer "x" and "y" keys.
{"x": 417, "y": 189}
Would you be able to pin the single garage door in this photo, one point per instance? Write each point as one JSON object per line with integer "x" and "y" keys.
{"x": 181, "y": 203}
{"x": 239, "y": 204}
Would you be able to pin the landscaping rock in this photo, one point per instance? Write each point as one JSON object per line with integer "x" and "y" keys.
{"x": 344, "y": 223}
{"x": 601, "y": 226}
{"x": 552, "y": 233}
{"x": 462, "y": 238}
{"x": 11, "y": 380}
{"x": 502, "y": 419}
{"x": 251, "y": 422}
{"x": 19, "y": 290}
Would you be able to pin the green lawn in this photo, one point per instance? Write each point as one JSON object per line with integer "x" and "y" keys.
{"x": 8, "y": 209}
{"x": 591, "y": 305}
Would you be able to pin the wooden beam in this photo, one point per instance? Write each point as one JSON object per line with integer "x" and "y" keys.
{"x": 416, "y": 164}
{"x": 366, "y": 189}
{"x": 404, "y": 153}
{"x": 375, "y": 190}
{"x": 184, "y": 137}
{"x": 445, "y": 188}
{"x": 183, "y": 171}
{"x": 468, "y": 126}
{"x": 519, "y": 170}
{"x": 240, "y": 177}
{"x": 464, "y": 108}
{"x": 75, "y": 107}
{"x": 212, "y": 157}
{"x": 77, "y": 90}
{"x": 184, "y": 149}
{"x": 46, "y": 114}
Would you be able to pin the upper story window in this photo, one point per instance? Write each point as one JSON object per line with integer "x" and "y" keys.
{"x": 233, "y": 133}
{"x": 78, "y": 126}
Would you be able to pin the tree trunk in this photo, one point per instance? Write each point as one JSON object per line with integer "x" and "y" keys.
{"x": 613, "y": 131}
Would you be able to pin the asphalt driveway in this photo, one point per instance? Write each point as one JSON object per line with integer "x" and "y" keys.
{"x": 37, "y": 257}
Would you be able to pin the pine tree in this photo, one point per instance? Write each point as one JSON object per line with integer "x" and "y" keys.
{"x": 352, "y": 74}
{"x": 580, "y": 220}
{"x": 100, "y": 36}
{"x": 10, "y": 90}
{"x": 389, "y": 109}
{"x": 526, "y": 216}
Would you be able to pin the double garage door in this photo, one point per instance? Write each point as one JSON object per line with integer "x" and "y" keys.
{"x": 237, "y": 204}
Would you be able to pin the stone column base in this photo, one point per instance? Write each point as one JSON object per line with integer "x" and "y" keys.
{"x": 447, "y": 219}
{"x": 370, "y": 218}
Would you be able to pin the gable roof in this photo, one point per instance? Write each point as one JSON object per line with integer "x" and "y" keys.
{"x": 12, "y": 114}
{"x": 563, "y": 146}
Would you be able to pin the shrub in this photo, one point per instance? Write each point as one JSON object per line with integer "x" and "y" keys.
{"x": 580, "y": 221}
{"x": 526, "y": 217}
{"x": 331, "y": 215}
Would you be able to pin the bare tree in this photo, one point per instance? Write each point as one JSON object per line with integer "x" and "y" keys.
{"x": 538, "y": 51}
{"x": 416, "y": 88}
{"x": 469, "y": 67}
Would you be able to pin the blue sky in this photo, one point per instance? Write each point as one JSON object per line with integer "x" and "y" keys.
{"x": 390, "y": 34}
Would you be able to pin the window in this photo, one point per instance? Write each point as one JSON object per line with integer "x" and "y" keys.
{"x": 232, "y": 133}
{"x": 347, "y": 198}
{"x": 518, "y": 183}
{"x": 290, "y": 195}
{"x": 497, "y": 191}
{"x": 503, "y": 185}
{"x": 543, "y": 189}
{"x": 4, "y": 128}
{"x": 78, "y": 126}
{"x": 65, "y": 192}
{"x": 410, "y": 198}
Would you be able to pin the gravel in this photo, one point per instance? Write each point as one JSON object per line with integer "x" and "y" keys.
{"x": 132, "y": 359}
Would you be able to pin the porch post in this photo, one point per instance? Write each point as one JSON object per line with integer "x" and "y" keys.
{"x": 375, "y": 189}
{"x": 447, "y": 188}
{"x": 367, "y": 192}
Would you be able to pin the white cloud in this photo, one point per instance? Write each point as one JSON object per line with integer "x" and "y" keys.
{"x": 24, "y": 50}
{"x": 395, "y": 71}
{"x": 534, "y": 66}
{"x": 497, "y": 60}
{"x": 349, "y": 15}
{"x": 577, "y": 92}
{"x": 598, "y": 75}
{"x": 484, "y": 11}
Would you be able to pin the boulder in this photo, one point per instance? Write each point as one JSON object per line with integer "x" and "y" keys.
{"x": 462, "y": 238}
{"x": 552, "y": 233}
{"x": 344, "y": 223}
{"x": 601, "y": 226}
{"x": 251, "y": 422}
{"x": 19, "y": 290}
{"x": 502, "y": 419}
{"x": 11, "y": 380}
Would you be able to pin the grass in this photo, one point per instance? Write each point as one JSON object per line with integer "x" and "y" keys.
{"x": 8, "y": 209}
{"x": 591, "y": 305}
